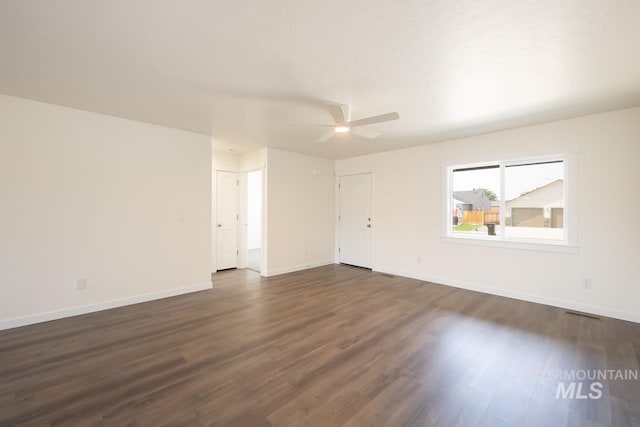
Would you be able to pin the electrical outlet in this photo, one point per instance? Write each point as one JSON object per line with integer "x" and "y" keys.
{"x": 80, "y": 284}
{"x": 586, "y": 283}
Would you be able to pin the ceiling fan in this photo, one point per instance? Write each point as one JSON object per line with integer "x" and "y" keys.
{"x": 342, "y": 116}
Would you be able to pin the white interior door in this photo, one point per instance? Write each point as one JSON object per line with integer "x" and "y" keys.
{"x": 227, "y": 220}
{"x": 355, "y": 225}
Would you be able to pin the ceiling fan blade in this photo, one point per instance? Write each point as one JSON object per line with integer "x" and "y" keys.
{"x": 337, "y": 111}
{"x": 347, "y": 112}
{"x": 367, "y": 133}
{"x": 327, "y": 136}
{"x": 375, "y": 119}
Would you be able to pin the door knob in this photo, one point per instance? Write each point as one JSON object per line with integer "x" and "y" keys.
{"x": 368, "y": 225}
{"x": 219, "y": 225}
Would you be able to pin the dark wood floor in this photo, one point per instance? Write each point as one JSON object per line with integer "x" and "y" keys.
{"x": 331, "y": 346}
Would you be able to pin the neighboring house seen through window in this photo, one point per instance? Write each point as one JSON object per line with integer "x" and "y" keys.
{"x": 521, "y": 201}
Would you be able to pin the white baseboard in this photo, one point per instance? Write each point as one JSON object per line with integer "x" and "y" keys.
{"x": 285, "y": 270}
{"x": 90, "y": 308}
{"x": 569, "y": 305}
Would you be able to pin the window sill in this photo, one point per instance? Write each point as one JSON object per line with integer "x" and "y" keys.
{"x": 557, "y": 247}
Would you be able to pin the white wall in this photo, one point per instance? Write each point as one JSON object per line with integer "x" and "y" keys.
{"x": 408, "y": 215}
{"x": 254, "y": 209}
{"x": 300, "y": 211}
{"x": 225, "y": 161}
{"x": 124, "y": 204}
{"x": 253, "y": 160}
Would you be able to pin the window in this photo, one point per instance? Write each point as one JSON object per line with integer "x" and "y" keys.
{"x": 510, "y": 201}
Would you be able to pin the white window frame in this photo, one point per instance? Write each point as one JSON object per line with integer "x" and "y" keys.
{"x": 569, "y": 244}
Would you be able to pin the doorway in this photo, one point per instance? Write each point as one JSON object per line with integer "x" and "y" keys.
{"x": 355, "y": 238}
{"x": 254, "y": 220}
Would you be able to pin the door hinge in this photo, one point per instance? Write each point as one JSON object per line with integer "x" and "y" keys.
{"x": 338, "y": 186}
{"x": 237, "y": 252}
{"x": 338, "y": 217}
{"x": 338, "y": 250}
{"x": 237, "y": 216}
{"x": 238, "y": 182}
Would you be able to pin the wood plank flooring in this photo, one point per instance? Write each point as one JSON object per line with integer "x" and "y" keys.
{"x": 331, "y": 346}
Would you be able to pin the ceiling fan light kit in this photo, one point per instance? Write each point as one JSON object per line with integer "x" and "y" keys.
{"x": 342, "y": 117}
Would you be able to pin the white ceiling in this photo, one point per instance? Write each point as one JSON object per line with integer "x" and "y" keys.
{"x": 258, "y": 73}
